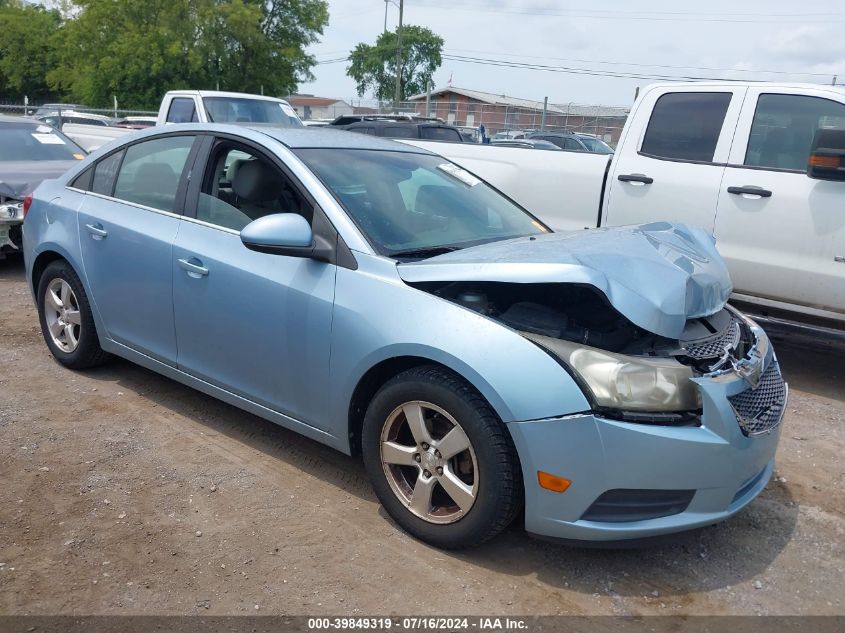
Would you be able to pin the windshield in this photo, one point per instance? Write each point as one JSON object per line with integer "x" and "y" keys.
{"x": 595, "y": 145}
{"x": 24, "y": 142}
{"x": 242, "y": 110}
{"x": 407, "y": 202}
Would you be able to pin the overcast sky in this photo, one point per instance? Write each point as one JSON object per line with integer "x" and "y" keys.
{"x": 716, "y": 39}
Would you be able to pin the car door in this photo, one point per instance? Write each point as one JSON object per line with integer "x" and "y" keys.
{"x": 255, "y": 324}
{"x": 127, "y": 224}
{"x": 673, "y": 156}
{"x": 780, "y": 230}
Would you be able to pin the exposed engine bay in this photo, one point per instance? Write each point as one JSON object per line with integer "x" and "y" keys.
{"x": 581, "y": 314}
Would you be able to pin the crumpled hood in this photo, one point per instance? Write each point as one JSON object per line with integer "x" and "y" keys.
{"x": 20, "y": 178}
{"x": 657, "y": 275}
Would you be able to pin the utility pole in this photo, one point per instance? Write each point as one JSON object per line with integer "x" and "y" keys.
{"x": 545, "y": 109}
{"x": 385, "y": 15}
{"x": 398, "y": 94}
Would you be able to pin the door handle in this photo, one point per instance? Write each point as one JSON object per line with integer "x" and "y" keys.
{"x": 750, "y": 190}
{"x": 97, "y": 231}
{"x": 640, "y": 179}
{"x": 195, "y": 270}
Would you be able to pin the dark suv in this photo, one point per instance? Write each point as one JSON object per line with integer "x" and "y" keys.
{"x": 401, "y": 127}
{"x": 573, "y": 141}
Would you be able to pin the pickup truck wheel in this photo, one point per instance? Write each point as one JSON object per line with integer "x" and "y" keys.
{"x": 66, "y": 320}
{"x": 441, "y": 462}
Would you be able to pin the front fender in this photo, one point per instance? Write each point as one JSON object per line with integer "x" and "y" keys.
{"x": 378, "y": 317}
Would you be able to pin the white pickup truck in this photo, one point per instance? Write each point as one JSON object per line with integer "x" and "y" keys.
{"x": 730, "y": 157}
{"x": 203, "y": 106}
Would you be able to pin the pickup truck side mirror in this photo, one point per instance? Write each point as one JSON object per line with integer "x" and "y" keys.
{"x": 827, "y": 155}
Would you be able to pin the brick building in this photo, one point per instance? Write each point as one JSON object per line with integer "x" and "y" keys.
{"x": 310, "y": 107}
{"x": 460, "y": 106}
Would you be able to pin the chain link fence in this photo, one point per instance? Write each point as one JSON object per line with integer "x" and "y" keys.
{"x": 68, "y": 109}
{"x": 605, "y": 122}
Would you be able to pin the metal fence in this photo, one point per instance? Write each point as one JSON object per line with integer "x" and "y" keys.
{"x": 606, "y": 122}
{"x": 29, "y": 109}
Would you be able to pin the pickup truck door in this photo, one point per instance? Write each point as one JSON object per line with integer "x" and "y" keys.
{"x": 780, "y": 231}
{"x": 672, "y": 155}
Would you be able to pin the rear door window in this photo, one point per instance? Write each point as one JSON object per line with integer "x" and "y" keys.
{"x": 784, "y": 126}
{"x": 686, "y": 125}
{"x": 152, "y": 170}
{"x": 182, "y": 110}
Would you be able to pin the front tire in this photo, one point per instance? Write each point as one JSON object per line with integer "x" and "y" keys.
{"x": 441, "y": 462}
{"x": 66, "y": 319}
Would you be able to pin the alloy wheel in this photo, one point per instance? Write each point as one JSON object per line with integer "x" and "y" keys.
{"x": 429, "y": 462}
{"x": 61, "y": 311}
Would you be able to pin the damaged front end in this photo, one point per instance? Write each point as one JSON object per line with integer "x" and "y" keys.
{"x": 637, "y": 316}
{"x": 11, "y": 223}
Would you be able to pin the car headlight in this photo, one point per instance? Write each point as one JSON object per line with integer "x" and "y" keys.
{"x": 627, "y": 383}
{"x": 11, "y": 211}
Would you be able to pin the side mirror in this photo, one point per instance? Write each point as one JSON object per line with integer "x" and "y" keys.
{"x": 281, "y": 234}
{"x": 827, "y": 155}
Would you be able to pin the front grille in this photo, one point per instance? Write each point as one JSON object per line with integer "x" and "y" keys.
{"x": 623, "y": 505}
{"x": 719, "y": 346}
{"x": 760, "y": 410}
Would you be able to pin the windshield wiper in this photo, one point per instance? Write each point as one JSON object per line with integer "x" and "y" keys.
{"x": 424, "y": 253}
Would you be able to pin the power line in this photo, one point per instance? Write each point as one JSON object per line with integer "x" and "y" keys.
{"x": 656, "y": 16}
{"x": 641, "y": 65}
{"x": 575, "y": 70}
{"x": 581, "y": 71}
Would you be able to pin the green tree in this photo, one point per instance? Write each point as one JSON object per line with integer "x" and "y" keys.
{"x": 374, "y": 67}
{"x": 25, "y": 51}
{"x": 258, "y": 44}
{"x": 139, "y": 49}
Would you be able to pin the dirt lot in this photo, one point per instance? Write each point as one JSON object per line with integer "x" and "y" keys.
{"x": 125, "y": 493}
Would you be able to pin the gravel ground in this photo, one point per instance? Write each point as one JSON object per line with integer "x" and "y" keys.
{"x": 126, "y": 493}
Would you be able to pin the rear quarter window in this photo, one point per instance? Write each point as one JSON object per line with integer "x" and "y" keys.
{"x": 440, "y": 134}
{"x": 400, "y": 131}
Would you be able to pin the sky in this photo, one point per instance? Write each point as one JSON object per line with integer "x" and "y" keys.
{"x": 746, "y": 39}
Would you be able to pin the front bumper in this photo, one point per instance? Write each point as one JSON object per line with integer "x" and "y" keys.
{"x": 725, "y": 468}
{"x": 11, "y": 220}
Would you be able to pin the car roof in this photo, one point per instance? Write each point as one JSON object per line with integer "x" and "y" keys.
{"x": 553, "y": 133}
{"x": 325, "y": 137}
{"x": 221, "y": 93}
{"x": 19, "y": 119}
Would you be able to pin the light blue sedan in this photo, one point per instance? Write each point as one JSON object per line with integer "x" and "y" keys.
{"x": 379, "y": 299}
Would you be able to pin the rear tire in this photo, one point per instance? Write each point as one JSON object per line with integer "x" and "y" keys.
{"x": 66, "y": 319}
{"x": 440, "y": 461}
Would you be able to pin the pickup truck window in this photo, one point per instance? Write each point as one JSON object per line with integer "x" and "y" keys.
{"x": 244, "y": 110}
{"x": 686, "y": 125}
{"x": 182, "y": 110}
{"x": 783, "y": 128}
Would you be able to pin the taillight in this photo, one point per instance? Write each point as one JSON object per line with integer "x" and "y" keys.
{"x": 27, "y": 202}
